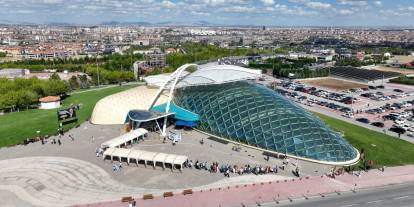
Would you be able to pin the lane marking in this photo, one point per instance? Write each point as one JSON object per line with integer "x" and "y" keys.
{"x": 377, "y": 201}
{"x": 402, "y": 197}
{"x": 349, "y": 205}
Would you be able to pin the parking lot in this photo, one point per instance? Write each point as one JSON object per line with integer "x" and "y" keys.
{"x": 386, "y": 107}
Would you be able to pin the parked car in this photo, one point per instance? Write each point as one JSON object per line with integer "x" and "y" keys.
{"x": 363, "y": 120}
{"x": 348, "y": 115}
{"x": 398, "y": 130}
{"x": 398, "y": 90}
{"x": 377, "y": 124}
{"x": 389, "y": 117}
{"x": 399, "y": 121}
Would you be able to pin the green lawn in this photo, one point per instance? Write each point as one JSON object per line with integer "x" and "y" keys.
{"x": 17, "y": 126}
{"x": 381, "y": 148}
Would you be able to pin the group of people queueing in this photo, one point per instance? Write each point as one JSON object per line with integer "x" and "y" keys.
{"x": 227, "y": 169}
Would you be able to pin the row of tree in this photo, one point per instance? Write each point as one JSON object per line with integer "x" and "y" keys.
{"x": 108, "y": 76}
{"x": 291, "y": 68}
{"x": 108, "y": 62}
{"x": 403, "y": 80}
{"x": 21, "y": 93}
{"x": 195, "y": 52}
{"x": 357, "y": 63}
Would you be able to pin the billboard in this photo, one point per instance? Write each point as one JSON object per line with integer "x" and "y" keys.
{"x": 67, "y": 114}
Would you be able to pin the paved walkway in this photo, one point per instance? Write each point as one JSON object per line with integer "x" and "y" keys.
{"x": 61, "y": 181}
{"x": 262, "y": 192}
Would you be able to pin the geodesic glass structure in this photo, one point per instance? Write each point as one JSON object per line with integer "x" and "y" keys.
{"x": 253, "y": 114}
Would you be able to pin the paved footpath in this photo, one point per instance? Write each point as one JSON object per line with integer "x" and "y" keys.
{"x": 247, "y": 194}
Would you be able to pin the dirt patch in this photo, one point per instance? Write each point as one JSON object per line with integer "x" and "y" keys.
{"x": 332, "y": 83}
{"x": 398, "y": 70}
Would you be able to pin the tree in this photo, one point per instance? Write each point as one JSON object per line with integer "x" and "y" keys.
{"x": 73, "y": 82}
{"x": 83, "y": 79}
{"x": 55, "y": 87}
{"x": 54, "y": 76}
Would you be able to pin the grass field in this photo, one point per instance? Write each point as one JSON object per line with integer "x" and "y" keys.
{"x": 332, "y": 83}
{"x": 16, "y": 127}
{"x": 381, "y": 148}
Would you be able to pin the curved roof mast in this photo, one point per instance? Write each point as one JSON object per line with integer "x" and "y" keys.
{"x": 173, "y": 79}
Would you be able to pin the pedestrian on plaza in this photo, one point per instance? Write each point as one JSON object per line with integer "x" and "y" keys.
{"x": 120, "y": 166}
{"x": 134, "y": 203}
{"x": 93, "y": 139}
{"x": 130, "y": 204}
{"x": 59, "y": 142}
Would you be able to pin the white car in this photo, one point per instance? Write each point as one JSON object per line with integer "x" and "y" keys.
{"x": 407, "y": 105}
{"x": 404, "y": 114}
{"x": 348, "y": 115}
{"x": 399, "y": 121}
{"x": 387, "y": 98}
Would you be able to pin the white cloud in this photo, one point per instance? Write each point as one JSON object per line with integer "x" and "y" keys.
{"x": 240, "y": 9}
{"x": 299, "y": 1}
{"x": 410, "y": 8}
{"x": 205, "y": 14}
{"x": 51, "y": 1}
{"x": 318, "y": 5}
{"x": 222, "y": 2}
{"x": 168, "y": 4}
{"x": 345, "y": 12}
{"x": 378, "y": 3}
{"x": 268, "y": 2}
{"x": 353, "y": 2}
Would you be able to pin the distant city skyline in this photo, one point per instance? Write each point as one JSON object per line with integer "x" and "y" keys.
{"x": 221, "y": 12}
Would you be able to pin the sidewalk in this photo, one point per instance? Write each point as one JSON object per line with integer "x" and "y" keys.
{"x": 239, "y": 195}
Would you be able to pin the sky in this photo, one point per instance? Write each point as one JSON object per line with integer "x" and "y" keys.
{"x": 226, "y": 12}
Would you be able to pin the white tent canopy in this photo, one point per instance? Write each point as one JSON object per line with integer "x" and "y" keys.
{"x": 218, "y": 74}
{"x": 146, "y": 156}
{"x": 125, "y": 138}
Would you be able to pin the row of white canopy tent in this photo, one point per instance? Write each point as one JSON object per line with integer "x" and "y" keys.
{"x": 125, "y": 139}
{"x": 130, "y": 155}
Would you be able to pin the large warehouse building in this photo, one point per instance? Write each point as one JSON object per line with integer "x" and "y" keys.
{"x": 225, "y": 101}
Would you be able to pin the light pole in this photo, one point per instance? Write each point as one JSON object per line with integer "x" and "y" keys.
{"x": 97, "y": 68}
{"x": 352, "y": 103}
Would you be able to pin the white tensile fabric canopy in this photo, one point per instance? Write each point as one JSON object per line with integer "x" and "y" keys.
{"x": 125, "y": 138}
{"x": 218, "y": 74}
{"x": 146, "y": 156}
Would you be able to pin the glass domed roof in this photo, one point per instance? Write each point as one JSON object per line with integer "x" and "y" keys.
{"x": 253, "y": 114}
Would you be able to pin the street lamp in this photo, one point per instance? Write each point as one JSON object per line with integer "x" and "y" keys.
{"x": 97, "y": 68}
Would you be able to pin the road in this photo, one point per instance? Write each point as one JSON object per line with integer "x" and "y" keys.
{"x": 394, "y": 195}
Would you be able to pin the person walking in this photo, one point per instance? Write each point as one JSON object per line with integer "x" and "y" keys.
{"x": 59, "y": 142}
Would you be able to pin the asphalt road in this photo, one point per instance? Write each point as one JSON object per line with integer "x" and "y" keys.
{"x": 394, "y": 195}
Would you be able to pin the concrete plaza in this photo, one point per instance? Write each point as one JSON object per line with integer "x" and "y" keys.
{"x": 69, "y": 174}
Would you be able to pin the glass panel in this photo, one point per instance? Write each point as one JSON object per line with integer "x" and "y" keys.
{"x": 253, "y": 114}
